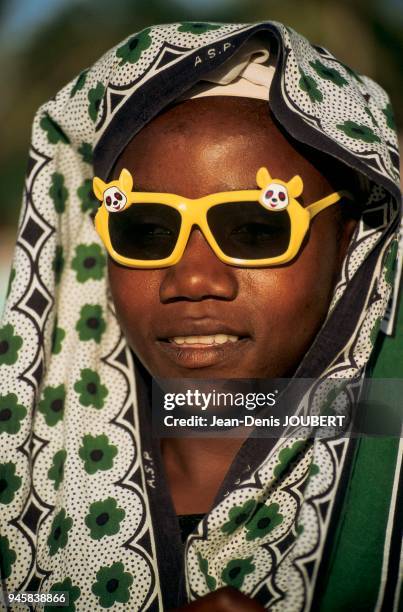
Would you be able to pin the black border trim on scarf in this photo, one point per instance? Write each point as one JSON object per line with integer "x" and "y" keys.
{"x": 167, "y": 536}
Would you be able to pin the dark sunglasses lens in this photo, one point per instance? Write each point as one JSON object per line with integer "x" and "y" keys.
{"x": 246, "y": 230}
{"x": 145, "y": 231}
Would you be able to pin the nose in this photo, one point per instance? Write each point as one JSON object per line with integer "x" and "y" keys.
{"x": 199, "y": 274}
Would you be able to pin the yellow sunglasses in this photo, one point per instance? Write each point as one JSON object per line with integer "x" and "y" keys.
{"x": 251, "y": 227}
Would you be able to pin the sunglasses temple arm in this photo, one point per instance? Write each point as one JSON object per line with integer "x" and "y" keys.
{"x": 320, "y": 205}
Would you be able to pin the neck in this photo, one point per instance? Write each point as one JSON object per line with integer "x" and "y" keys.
{"x": 197, "y": 458}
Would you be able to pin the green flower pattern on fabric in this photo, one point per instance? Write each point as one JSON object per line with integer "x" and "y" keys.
{"x": 56, "y": 472}
{"x": 80, "y": 82}
{"x": 238, "y": 515}
{"x": 390, "y": 118}
{"x": 91, "y": 324}
{"x": 95, "y": 96}
{"x": 11, "y": 414}
{"x": 358, "y": 131}
{"x": 90, "y": 389}
{"x": 97, "y": 453}
{"x": 263, "y": 521}
{"x": 10, "y": 281}
{"x": 104, "y": 518}
{"x": 235, "y": 571}
{"x": 58, "y": 336}
{"x": 86, "y": 152}
{"x": 9, "y": 482}
{"x": 87, "y": 197}
{"x": 310, "y": 86}
{"x": 58, "y": 192}
{"x": 132, "y": 50}
{"x": 391, "y": 263}
{"x": 10, "y": 345}
{"x": 7, "y": 557}
{"x": 286, "y": 456}
{"x": 327, "y": 406}
{"x": 58, "y": 263}
{"x": 330, "y": 74}
{"x": 89, "y": 262}
{"x": 313, "y": 470}
{"x": 112, "y": 585}
{"x": 73, "y": 591}
{"x": 203, "y": 565}
{"x": 59, "y": 532}
{"x": 52, "y": 404}
{"x": 198, "y": 28}
{"x": 53, "y": 131}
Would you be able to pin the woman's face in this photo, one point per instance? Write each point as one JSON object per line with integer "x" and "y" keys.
{"x": 193, "y": 149}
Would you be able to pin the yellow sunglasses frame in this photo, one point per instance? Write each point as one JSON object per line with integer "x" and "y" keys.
{"x": 193, "y": 211}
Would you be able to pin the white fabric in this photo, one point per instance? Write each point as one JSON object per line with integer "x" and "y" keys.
{"x": 246, "y": 75}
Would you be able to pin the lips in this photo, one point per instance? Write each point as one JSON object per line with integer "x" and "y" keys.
{"x": 200, "y": 343}
{"x": 187, "y": 327}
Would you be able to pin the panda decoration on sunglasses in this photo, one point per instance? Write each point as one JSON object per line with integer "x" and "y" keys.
{"x": 114, "y": 195}
{"x": 276, "y": 194}
{"x": 276, "y": 197}
{"x": 114, "y": 199}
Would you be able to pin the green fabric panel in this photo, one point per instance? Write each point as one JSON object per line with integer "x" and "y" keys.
{"x": 357, "y": 555}
{"x": 356, "y": 562}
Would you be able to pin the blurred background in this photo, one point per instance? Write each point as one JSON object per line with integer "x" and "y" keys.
{"x": 45, "y": 43}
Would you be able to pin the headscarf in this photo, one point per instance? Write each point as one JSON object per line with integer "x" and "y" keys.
{"x": 84, "y": 503}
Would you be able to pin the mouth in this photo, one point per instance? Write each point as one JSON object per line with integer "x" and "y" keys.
{"x": 203, "y": 341}
{"x": 204, "y": 350}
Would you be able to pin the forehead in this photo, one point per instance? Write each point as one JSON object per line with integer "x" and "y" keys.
{"x": 210, "y": 144}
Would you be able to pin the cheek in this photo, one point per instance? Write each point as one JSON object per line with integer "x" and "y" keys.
{"x": 291, "y": 302}
{"x": 314, "y": 273}
{"x": 303, "y": 295}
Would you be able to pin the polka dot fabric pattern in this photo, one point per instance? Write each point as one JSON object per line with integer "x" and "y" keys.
{"x": 75, "y": 510}
{"x": 359, "y": 120}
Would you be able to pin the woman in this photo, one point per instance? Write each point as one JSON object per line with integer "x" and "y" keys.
{"x": 90, "y": 497}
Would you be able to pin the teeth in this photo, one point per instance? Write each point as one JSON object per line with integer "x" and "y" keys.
{"x": 191, "y": 339}
{"x": 221, "y": 338}
{"x": 205, "y": 339}
{"x": 214, "y": 339}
